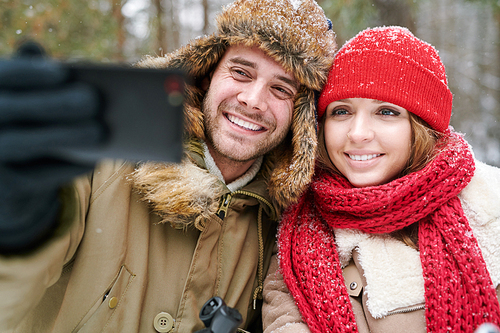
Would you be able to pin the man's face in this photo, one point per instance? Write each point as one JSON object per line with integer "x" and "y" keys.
{"x": 248, "y": 106}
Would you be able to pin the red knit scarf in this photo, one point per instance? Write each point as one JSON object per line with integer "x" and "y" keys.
{"x": 459, "y": 294}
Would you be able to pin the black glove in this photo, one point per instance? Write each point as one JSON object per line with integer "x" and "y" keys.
{"x": 41, "y": 110}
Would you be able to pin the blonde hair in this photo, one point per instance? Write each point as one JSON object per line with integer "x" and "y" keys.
{"x": 422, "y": 152}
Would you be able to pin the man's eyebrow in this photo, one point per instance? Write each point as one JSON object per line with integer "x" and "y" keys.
{"x": 291, "y": 82}
{"x": 244, "y": 62}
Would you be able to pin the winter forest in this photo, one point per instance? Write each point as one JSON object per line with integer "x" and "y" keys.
{"x": 466, "y": 33}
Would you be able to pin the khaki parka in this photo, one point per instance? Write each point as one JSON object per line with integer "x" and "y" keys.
{"x": 140, "y": 246}
{"x": 117, "y": 268}
{"x": 397, "y": 296}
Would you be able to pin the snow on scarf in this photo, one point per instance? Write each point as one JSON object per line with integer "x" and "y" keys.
{"x": 459, "y": 294}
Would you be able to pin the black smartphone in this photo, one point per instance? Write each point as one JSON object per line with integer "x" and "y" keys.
{"x": 143, "y": 109}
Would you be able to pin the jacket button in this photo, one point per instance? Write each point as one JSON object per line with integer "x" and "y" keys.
{"x": 353, "y": 285}
{"x": 113, "y": 301}
{"x": 163, "y": 322}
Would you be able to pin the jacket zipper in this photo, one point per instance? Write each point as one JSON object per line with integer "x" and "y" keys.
{"x": 226, "y": 200}
{"x": 408, "y": 309}
{"x": 224, "y": 205}
{"x": 222, "y": 212}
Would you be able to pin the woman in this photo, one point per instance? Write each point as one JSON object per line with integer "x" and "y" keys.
{"x": 398, "y": 229}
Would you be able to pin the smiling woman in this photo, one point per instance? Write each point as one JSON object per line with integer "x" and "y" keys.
{"x": 359, "y": 136}
{"x": 394, "y": 198}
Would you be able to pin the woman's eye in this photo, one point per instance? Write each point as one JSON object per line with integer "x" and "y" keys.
{"x": 389, "y": 112}
{"x": 339, "y": 112}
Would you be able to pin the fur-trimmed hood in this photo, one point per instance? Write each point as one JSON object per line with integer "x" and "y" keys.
{"x": 298, "y": 36}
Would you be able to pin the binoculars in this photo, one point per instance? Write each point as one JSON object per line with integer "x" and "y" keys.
{"x": 218, "y": 317}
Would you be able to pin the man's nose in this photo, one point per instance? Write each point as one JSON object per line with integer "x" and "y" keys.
{"x": 254, "y": 96}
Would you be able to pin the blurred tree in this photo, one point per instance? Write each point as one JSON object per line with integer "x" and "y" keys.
{"x": 116, "y": 6}
{"x": 351, "y": 16}
{"x": 66, "y": 28}
{"x": 173, "y": 26}
{"x": 495, "y": 6}
{"x": 161, "y": 43}
{"x": 467, "y": 37}
{"x": 495, "y": 10}
{"x": 206, "y": 16}
{"x": 396, "y": 12}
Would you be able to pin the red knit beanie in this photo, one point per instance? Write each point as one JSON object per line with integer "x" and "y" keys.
{"x": 390, "y": 64}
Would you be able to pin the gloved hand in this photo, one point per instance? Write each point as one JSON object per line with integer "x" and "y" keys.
{"x": 40, "y": 111}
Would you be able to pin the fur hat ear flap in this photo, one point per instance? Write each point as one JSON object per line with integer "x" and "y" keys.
{"x": 294, "y": 160}
{"x": 197, "y": 59}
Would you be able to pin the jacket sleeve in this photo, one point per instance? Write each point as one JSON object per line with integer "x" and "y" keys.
{"x": 279, "y": 311}
{"x": 25, "y": 278}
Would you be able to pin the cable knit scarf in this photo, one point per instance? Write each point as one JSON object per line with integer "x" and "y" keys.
{"x": 459, "y": 294}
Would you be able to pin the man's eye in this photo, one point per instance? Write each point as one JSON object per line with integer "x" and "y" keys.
{"x": 283, "y": 93}
{"x": 239, "y": 72}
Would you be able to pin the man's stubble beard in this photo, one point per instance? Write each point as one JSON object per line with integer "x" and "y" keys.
{"x": 211, "y": 129}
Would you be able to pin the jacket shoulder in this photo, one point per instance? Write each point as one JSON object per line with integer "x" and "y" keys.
{"x": 480, "y": 202}
{"x": 482, "y": 194}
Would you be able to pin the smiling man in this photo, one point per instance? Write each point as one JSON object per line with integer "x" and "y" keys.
{"x": 248, "y": 109}
{"x": 141, "y": 248}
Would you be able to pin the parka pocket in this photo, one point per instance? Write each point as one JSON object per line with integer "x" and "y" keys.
{"x": 105, "y": 307}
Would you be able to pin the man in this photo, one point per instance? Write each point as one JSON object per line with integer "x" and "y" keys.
{"x": 140, "y": 248}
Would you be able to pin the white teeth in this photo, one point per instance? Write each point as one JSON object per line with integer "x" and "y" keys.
{"x": 363, "y": 157}
{"x": 242, "y": 123}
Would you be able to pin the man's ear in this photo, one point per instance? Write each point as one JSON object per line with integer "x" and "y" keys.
{"x": 205, "y": 82}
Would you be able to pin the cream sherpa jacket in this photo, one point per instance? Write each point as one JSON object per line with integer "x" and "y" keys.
{"x": 386, "y": 275}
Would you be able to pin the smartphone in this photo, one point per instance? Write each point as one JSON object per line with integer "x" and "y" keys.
{"x": 143, "y": 110}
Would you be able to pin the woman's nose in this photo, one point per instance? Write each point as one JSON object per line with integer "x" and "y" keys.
{"x": 361, "y": 129}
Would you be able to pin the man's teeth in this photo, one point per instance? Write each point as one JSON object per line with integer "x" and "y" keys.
{"x": 242, "y": 123}
{"x": 363, "y": 157}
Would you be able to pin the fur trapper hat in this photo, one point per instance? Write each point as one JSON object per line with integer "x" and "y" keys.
{"x": 296, "y": 34}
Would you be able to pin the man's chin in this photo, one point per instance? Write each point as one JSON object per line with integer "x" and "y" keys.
{"x": 238, "y": 153}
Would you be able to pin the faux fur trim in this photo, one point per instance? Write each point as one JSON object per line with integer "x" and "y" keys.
{"x": 481, "y": 204}
{"x": 297, "y": 35}
{"x": 393, "y": 270}
{"x": 182, "y": 194}
{"x": 295, "y": 160}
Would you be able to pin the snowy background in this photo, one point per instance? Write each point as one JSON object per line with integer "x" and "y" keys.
{"x": 466, "y": 33}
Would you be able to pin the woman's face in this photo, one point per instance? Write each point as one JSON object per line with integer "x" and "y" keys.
{"x": 369, "y": 141}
